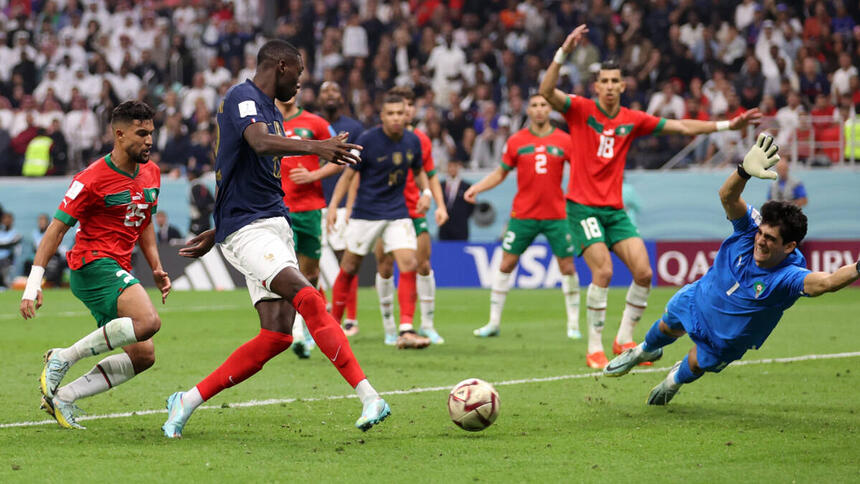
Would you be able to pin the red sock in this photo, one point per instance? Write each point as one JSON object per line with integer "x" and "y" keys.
{"x": 339, "y": 294}
{"x": 352, "y": 300}
{"x": 327, "y": 334}
{"x": 406, "y": 296}
{"x": 244, "y": 362}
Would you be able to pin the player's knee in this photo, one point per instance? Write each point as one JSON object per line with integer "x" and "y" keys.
{"x": 385, "y": 272}
{"x": 508, "y": 266}
{"x": 146, "y": 326}
{"x": 409, "y": 264}
{"x": 643, "y": 276}
{"x": 424, "y": 268}
{"x": 143, "y": 358}
{"x": 602, "y": 276}
{"x": 566, "y": 267}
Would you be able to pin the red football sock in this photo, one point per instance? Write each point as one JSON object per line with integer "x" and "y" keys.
{"x": 352, "y": 300}
{"x": 328, "y": 335}
{"x": 339, "y": 294}
{"x": 244, "y": 362}
{"x": 406, "y": 296}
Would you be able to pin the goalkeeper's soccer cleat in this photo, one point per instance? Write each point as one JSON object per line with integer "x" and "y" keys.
{"x": 432, "y": 335}
{"x": 373, "y": 413}
{"x": 631, "y": 357}
{"x": 663, "y": 393}
{"x": 52, "y": 373}
{"x": 65, "y": 413}
{"x": 177, "y": 416}
{"x": 621, "y": 348}
{"x": 487, "y": 331}
{"x": 596, "y": 360}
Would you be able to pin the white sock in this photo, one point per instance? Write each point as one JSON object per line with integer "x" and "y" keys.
{"x": 637, "y": 301}
{"x": 570, "y": 288}
{"x": 425, "y": 286}
{"x": 499, "y": 290}
{"x": 116, "y": 333}
{"x": 299, "y": 329}
{"x": 385, "y": 290}
{"x": 108, "y": 373}
{"x": 365, "y": 392}
{"x": 595, "y": 300}
{"x": 192, "y": 399}
{"x": 670, "y": 379}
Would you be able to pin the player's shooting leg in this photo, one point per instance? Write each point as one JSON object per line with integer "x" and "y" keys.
{"x": 634, "y": 255}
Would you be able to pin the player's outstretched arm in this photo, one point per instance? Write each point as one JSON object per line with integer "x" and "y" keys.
{"x": 198, "y": 245}
{"x": 488, "y": 182}
{"x": 32, "y": 298}
{"x": 693, "y": 127}
{"x": 762, "y": 155}
{"x": 334, "y": 149}
{"x": 149, "y": 247}
{"x": 301, "y": 175}
{"x": 817, "y": 283}
{"x": 555, "y": 97}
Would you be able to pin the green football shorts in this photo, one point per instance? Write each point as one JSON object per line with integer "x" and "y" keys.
{"x": 590, "y": 225}
{"x": 307, "y": 230}
{"x": 98, "y": 285}
{"x": 522, "y": 232}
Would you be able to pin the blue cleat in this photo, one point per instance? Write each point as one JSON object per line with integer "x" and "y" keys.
{"x": 373, "y": 413}
{"x": 65, "y": 413}
{"x": 432, "y": 335}
{"x": 573, "y": 333}
{"x": 390, "y": 339}
{"x": 624, "y": 362}
{"x": 487, "y": 331}
{"x": 52, "y": 373}
{"x": 177, "y": 415}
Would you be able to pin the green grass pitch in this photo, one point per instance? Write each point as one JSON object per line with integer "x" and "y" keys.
{"x": 765, "y": 421}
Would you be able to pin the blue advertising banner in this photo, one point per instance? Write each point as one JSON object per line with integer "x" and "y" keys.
{"x": 463, "y": 264}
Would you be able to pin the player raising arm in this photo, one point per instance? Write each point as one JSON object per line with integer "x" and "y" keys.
{"x": 114, "y": 199}
{"x": 757, "y": 274}
{"x": 255, "y": 237}
{"x": 539, "y": 153}
{"x": 602, "y": 132}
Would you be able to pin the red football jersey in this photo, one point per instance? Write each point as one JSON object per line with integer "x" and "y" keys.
{"x": 410, "y": 191}
{"x": 539, "y": 161}
{"x": 113, "y": 208}
{"x": 309, "y": 196}
{"x": 600, "y": 145}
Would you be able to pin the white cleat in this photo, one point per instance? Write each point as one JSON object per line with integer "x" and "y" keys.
{"x": 486, "y": 331}
{"x": 372, "y": 414}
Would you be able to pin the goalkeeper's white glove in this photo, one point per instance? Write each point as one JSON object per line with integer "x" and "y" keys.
{"x": 760, "y": 157}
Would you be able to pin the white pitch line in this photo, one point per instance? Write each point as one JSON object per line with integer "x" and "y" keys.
{"x": 278, "y": 401}
{"x": 165, "y": 309}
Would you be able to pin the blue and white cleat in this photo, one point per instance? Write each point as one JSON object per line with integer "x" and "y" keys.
{"x": 623, "y": 363}
{"x": 487, "y": 331}
{"x": 52, "y": 373}
{"x": 663, "y": 393}
{"x": 573, "y": 333}
{"x": 391, "y": 339}
{"x": 177, "y": 415}
{"x": 373, "y": 413}
{"x": 432, "y": 335}
{"x": 65, "y": 413}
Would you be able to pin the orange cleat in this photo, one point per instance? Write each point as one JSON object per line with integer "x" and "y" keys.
{"x": 619, "y": 348}
{"x": 596, "y": 360}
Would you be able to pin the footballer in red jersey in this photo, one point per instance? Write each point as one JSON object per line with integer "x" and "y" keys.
{"x": 114, "y": 200}
{"x": 303, "y": 196}
{"x": 421, "y": 284}
{"x": 602, "y": 131}
{"x": 539, "y": 154}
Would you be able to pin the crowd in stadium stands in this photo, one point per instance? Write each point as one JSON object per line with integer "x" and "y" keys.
{"x": 65, "y": 64}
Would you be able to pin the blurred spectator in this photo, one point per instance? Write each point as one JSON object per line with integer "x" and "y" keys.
{"x": 444, "y": 148}
{"x": 445, "y": 62}
{"x": 842, "y": 77}
{"x": 166, "y": 233}
{"x": 82, "y": 132}
{"x": 215, "y": 75}
{"x": 37, "y": 155}
{"x": 786, "y": 188}
{"x": 56, "y": 263}
{"x": 666, "y": 104}
{"x": 788, "y": 121}
{"x": 812, "y": 81}
{"x": 459, "y": 210}
{"x": 201, "y": 203}
{"x": 9, "y": 240}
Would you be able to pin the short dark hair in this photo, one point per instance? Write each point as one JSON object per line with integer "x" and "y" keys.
{"x": 610, "y": 65}
{"x": 392, "y": 98}
{"x": 130, "y": 111}
{"x": 788, "y": 217}
{"x": 276, "y": 50}
{"x": 405, "y": 92}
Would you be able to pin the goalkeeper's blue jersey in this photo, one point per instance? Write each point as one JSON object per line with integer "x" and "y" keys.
{"x": 737, "y": 302}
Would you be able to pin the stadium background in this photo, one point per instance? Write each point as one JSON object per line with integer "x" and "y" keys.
{"x": 65, "y": 64}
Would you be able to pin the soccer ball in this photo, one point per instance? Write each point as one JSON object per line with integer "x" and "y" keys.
{"x": 473, "y": 404}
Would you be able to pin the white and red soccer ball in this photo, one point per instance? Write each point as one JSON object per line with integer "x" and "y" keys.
{"x": 473, "y": 404}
